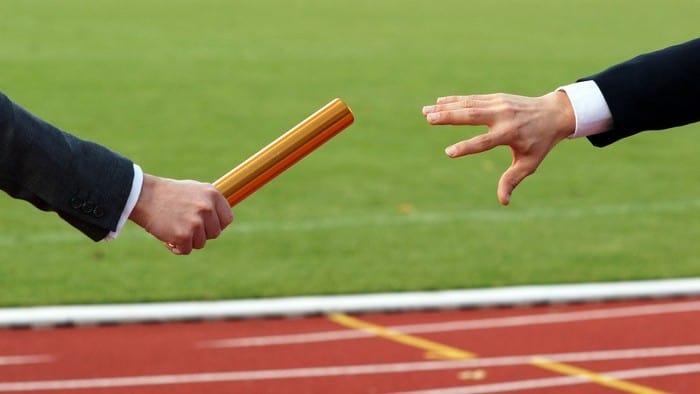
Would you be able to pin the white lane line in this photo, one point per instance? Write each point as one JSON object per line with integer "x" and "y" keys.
{"x": 505, "y": 387}
{"x": 369, "y": 369}
{"x": 519, "y": 385}
{"x": 486, "y": 215}
{"x": 555, "y": 318}
{"x": 25, "y": 359}
{"x": 464, "y": 325}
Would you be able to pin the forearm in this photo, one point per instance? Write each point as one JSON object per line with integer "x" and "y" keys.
{"x": 83, "y": 182}
{"x": 654, "y": 91}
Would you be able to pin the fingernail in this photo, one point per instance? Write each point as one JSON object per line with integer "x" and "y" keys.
{"x": 440, "y": 99}
{"x": 428, "y": 108}
{"x": 433, "y": 116}
{"x": 451, "y": 150}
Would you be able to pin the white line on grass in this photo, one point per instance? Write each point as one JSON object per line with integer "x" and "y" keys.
{"x": 463, "y": 325}
{"x": 425, "y": 218}
{"x": 489, "y": 215}
{"x": 369, "y": 369}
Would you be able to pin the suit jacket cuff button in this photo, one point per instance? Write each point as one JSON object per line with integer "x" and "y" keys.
{"x": 87, "y": 207}
{"x": 76, "y": 203}
{"x": 98, "y": 212}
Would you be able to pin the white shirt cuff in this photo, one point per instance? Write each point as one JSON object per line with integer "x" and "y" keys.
{"x": 136, "y": 184}
{"x": 590, "y": 108}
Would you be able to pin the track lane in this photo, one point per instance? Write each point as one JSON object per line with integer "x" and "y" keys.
{"x": 659, "y": 351}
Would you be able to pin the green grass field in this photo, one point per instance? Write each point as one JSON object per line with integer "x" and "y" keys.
{"x": 188, "y": 89}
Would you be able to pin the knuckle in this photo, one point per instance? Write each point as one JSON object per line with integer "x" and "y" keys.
{"x": 507, "y": 110}
{"x": 501, "y": 97}
{"x": 510, "y": 133}
{"x": 203, "y": 207}
{"x": 524, "y": 172}
{"x": 486, "y": 141}
{"x": 196, "y": 219}
{"x": 474, "y": 113}
{"x": 214, "y": 234}
{"x": 515, "y": 181}
{"x": 226, "y": 221}
{"x": 469, "y": 101}
{"x": 213, "y": 192}
{"x": 183, "y": 234}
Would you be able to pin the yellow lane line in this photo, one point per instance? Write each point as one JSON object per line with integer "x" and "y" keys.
{"x": 601, "y": 379}
{"x": 433, "y": 350}
{"x": 437, "y": 350}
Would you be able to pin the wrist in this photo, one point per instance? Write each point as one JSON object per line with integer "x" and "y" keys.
{"x": 591, "y": 112}
{"x": 139, "y": 214}
{"x": 562, "y": 114}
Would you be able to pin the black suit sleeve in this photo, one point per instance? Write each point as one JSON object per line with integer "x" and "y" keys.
{"x": 84, "y": 183}
{"x": 654, "y": 91}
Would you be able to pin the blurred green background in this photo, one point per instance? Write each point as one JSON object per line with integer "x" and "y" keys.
{"x": 190, "y": 88}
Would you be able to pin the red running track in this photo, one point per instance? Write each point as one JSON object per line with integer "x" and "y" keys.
{"x": 616, "y": 347}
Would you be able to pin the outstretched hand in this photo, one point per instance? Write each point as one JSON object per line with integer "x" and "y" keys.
{"x": 531, "y": 126}
{"x": 182, "y": 214}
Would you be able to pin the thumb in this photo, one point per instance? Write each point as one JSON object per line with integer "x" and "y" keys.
{"x": 510, "y": 179}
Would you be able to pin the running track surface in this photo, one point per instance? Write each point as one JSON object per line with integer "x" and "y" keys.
{"x": 643, "y": 347}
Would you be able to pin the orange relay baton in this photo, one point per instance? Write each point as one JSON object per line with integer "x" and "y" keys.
{"x": 284, "y": 152}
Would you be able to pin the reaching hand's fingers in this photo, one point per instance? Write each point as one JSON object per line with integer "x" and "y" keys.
{"x": 510, "y": 179}
{"x": 463, "y": 116}
{"x": 451, "y": 99}
{"x": 480, "y": 143}
{"x": 455, "y": 105}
